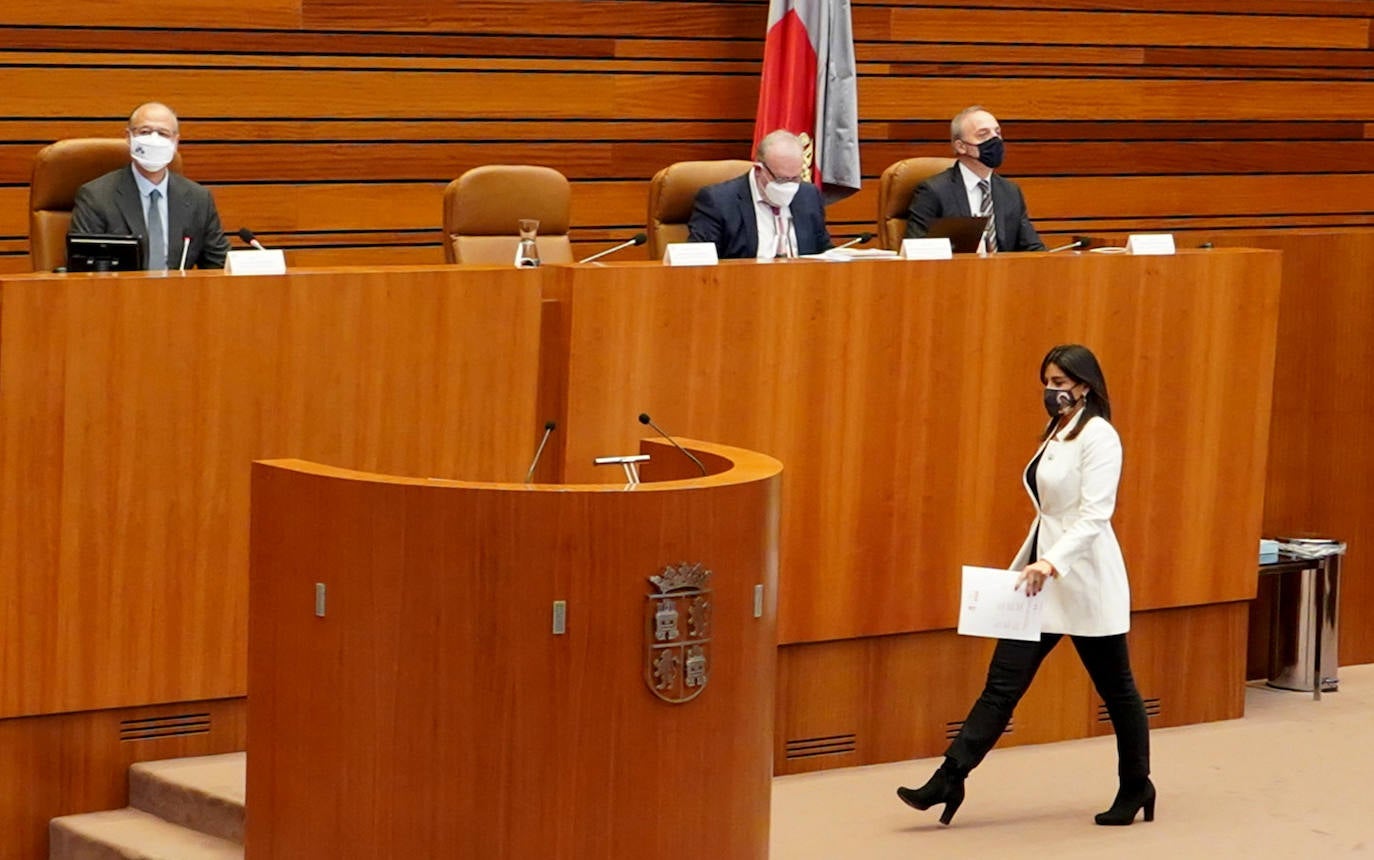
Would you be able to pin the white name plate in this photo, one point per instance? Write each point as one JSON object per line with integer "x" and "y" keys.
{"x": 1150, "y": 243}
{"x": 690, "y": 254}
{"x": 927, "y": 249}
{"x": 255, "y": 262}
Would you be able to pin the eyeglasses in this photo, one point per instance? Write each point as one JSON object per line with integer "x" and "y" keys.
{"x": 777, "y": 178}
{"x": 153, "y": 129}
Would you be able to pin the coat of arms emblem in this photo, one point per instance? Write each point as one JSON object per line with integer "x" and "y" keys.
{"x": 678, "y": 633}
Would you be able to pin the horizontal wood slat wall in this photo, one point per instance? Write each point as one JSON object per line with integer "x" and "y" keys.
{"x": 330, "y": 126}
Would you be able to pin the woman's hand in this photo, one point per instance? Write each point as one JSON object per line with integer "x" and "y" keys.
{"x": 1034, "y": 576}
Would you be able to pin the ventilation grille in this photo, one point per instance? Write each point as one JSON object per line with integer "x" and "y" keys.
{"x": 828, "y": 745}
{"x": 952, "y": 729}
{"x": 1153, "y": 708}
{"x": 167, "y": 726}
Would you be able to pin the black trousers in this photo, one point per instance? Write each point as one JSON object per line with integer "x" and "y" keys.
{"x": 1014, "y": 664}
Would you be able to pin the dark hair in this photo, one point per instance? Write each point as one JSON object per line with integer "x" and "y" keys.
{"x": 1080, "y": 365}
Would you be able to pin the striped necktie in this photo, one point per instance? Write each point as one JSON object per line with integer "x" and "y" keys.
{"x": 783, "y": 228}
{"x": 157, "y": 239}
{"x": 985, "y": 211}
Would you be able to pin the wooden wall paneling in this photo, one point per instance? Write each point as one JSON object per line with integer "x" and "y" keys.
{"x": 639, "y": 18}
{"x": 924, "y": 684}
{"x": 133, "y": 405}
{"x": 1325, "y": 8}
{"x": 253, "y": 14}
{"x": 891, "y": 698}
{"x": 1128, "y": 28}
{"x": 1140, "y": 197}
{"x": 1319, "y": 460}
{"x": 907, "y": 346}
{"x": 177, "y": 61}
{"x": 318, "y": 93}
{"x": 1192, "y": 661}
{"x": 1087, "y": 99}
{"x": 823, "y": 691}
{"x": 582, "y": 91}
{"x": 62, "y": 764}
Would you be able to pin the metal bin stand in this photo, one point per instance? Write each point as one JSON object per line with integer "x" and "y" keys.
{"x": 1304, "y": 624}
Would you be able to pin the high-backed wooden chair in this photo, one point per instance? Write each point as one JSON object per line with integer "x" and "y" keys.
{"x": 895, "y": 189}
{"x": 59, "y": 170}
{"x": 672, "y": 192}
{"x": 483, "y": 208}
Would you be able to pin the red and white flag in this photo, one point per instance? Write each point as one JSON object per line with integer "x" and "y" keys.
{"x": 809, "y": 88}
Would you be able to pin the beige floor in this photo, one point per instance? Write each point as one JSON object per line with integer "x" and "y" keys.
{"x": 1293, "y": 779}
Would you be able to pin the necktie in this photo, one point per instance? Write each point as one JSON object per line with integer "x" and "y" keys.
{"x": 784, "y": 231}
{"x": 157, "y": 240}
{"x": 985, "y": 211}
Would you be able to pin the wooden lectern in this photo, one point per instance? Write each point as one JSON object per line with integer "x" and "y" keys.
{"x": 410, "y": 694}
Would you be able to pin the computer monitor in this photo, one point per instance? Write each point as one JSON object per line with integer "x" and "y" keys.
{"x": 963, "y": 231}
{"x": 90, "y": 252}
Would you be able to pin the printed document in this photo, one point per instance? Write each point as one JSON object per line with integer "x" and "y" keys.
{"x": 989, "y": 605}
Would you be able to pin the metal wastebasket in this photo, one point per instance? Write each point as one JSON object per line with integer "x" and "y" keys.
{"x": 1305, "y": 619}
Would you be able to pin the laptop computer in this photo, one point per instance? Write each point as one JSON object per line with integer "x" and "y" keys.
{"x": 963, "y": 231}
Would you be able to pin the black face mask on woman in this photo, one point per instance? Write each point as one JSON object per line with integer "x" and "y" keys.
{"x": 1058, "y": 401}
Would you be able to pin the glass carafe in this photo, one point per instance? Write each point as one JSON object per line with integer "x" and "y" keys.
{"x": 527, "y": 252}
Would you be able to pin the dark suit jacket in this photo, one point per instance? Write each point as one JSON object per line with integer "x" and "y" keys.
{"x": 944, "y": 195}
{"x": 724, "y": 213}
{"x": 111, "y": 204}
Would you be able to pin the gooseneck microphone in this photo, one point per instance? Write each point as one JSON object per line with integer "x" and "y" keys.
{"x": 862, "y": 238}
{"x": 538, "y": 452}
{"x": 185, "y": 248}
{"x": 639, "y": 239}
{"x": 247, "y": 236}
{"x": 645, "y": 419}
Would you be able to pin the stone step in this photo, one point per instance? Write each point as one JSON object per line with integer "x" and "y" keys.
{"x": 203, "y": 793}
{"x": 132, "y": 834}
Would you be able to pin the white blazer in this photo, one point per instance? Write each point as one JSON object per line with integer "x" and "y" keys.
{"x": 1077, "y": 480}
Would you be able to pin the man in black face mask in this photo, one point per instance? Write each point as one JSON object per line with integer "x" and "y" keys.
{"x": 971, "y": 187}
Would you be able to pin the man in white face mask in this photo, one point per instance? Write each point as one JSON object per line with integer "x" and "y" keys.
{"x": 769, "y": 212}
{"x": 175, "y": 217}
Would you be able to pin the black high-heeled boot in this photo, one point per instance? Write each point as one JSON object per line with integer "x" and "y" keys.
{"x": 945, "y": 786}
{"x": 1133, "y": 795}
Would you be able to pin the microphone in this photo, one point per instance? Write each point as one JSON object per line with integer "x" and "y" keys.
{"x": 185, "y": 247}
{"x": 548, "y": 428}
{"x": 1077, "y": 243}
{"x": 863, "y": 237}
{"x": 645, "y": 419}
{"x": 247, "y": 236}
{"x": 639, "y": 239}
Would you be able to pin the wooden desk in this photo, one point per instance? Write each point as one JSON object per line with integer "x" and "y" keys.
{"x": 131, "y": 407}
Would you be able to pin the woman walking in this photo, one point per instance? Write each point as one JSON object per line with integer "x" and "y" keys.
{"x": 1072, "y": 555}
